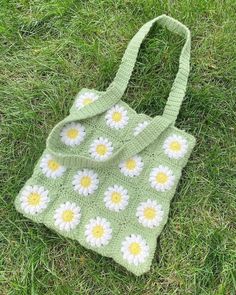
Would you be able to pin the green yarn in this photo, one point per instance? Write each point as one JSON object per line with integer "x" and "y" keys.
{"x": 108, "y": 174}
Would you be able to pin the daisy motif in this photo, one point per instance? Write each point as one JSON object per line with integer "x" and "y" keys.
{"x": 116, "y": 198}
{"x": 161, "y": 178}
{"x": 134, "y": 249}
{"x": 85, "y": 99}
{"x": 85, "y": 182}
{"x": 117, "y": 117}
{"x": 149, "y": 213}
{"x": 141, "y": 126}
{"x": 175, "y": 146}
{"x": 34, "y": 199}
{"x": 73, "y": 134}
{"x": 131, "y": 167}
{"x": 101, "y": 149}
{"x": 67, "y": 216}
{"x": 50, "y": 167}
{"x": 98, "y": 232}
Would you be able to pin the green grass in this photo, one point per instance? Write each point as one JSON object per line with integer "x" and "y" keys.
{"x": 50, "y": 50}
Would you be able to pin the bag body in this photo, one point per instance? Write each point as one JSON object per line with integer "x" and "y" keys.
{"x": 108, "y": 174}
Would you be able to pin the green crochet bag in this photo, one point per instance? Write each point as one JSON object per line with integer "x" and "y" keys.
{"x": 107, "y": 175}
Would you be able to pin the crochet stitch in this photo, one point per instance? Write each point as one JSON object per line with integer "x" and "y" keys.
{"x": 108, "y": 174}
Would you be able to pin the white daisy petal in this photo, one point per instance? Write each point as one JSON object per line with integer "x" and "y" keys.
{"x": 116, "y": 198}
{"x": 132, "y": 167}
{"x": 117, "y": 117}
{"x": 134, "y": 249}
{"x": 101, "y": 149}
{"x": 85, "y": 182}
{"x": 161, "y": 178}
{"x": 85, "y": 99}
{"x": 50, "y": 167}
{"x": 140, "y": 127}
{"x": 34, "y": 199}
{"x": 175, "y": 146}
{"x": 72, "y": 134}
{"x": 67, "y": 216}
{"x": 149, "y": 213}
{"x": 98, "y": 232}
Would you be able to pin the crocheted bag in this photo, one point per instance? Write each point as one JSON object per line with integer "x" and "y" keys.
{"x": 107, "y": 175}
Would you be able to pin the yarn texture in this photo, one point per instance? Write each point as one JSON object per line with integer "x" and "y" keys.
{"x": 108, "y": 174}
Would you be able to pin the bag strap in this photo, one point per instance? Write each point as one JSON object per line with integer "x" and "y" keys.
{"x": 117, "y": 88}
{"x": 114, "y": 93}
{"x": 129, "y": 149}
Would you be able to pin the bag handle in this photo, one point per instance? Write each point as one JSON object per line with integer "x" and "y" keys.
{"x": 129, "y": 149}
{"x": 114, "y": 93}
{"x": 117, "y": 88}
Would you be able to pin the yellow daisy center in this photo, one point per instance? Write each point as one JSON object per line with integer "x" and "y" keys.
{"x": 34, "y": 199}
{"x": 149, "y": 213}
{"x": 130, "y": 164}
{"x": 161, "y": 178}
{"x": 68, "y": 215}
{"x": 116, "y": 116}
{"x": 101, "y": 149}
{"x": 98, "y": 231}
{"x": 87, "y": 101}
{"x": 175, "y": 146}
{"x": 72, "y": 133}
{"x": 85, "y": 181}
{"x": 135, "y": 248}
{"x": 53, "y": 165}
{"x": 116, "y": 197}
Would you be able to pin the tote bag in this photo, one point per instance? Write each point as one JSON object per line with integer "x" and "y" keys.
{"x": 108, "y": 174}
